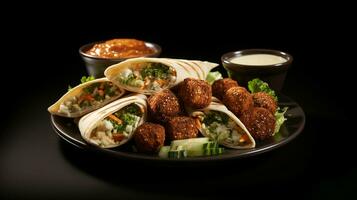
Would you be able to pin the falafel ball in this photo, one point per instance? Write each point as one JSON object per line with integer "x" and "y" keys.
{"x": 181, "y": 128}
{"x": 149, "y": 137}
{"x": 195, "y": 93}
{"x": 238, "y": 100}
{"x": 219, "y": 87}
{"x": 264, "y": 100}
{"x": 260, "y": 122}
{"x": 163, "y": 105}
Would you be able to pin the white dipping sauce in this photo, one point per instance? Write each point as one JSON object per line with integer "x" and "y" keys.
{"x": 258, "y": 59}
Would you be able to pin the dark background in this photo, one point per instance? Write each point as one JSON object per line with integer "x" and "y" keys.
{"x": 42, "y": 60}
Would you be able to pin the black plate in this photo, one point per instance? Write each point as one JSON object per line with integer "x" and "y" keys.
{"x": 67, "y": 129}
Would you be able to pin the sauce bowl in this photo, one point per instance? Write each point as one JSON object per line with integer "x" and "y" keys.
{"x": 96, "y": 65}
{"x": 268, "y": 65}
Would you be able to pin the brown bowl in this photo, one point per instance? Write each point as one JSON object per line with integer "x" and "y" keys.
{"x": 97, "y": 65}
{"x": 273, "y": 74}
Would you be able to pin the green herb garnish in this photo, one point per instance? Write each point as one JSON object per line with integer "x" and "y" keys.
{"x": 257, "y": 85}
{"x": 279, "y": 117}
{"x": 83, "y": 80}
{"x": 86, "y": 79}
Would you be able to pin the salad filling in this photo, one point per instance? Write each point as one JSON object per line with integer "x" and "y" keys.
{"x": 91, "y": 95}
{"x": 117, "y": 127}
{"x": 221, "y": 128}
{"x": 148, "y": 76}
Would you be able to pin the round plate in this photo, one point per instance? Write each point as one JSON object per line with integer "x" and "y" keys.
{"x": 68, "y": 130}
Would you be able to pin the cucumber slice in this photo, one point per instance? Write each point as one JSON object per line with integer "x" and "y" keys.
{"x": 184, "y": 142}
{"x": 205, "y": 152}
{"x": 164, "y": 152}
{"x": 209, "y": 145}
{"x": 190, "y": 148}
{"x": 213, "y": 151}
{"x": 195, "y": 152}
{"x": 177, "y": 153}
{"x": 198, "y": 149}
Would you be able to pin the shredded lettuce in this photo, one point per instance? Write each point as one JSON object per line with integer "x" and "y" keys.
{"x": 257, "y": 85}
{"x": 213, "y": 76}
{"x": 279, "y": 117}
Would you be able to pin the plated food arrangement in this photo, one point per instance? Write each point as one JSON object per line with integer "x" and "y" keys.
{"x": 171, "y": 108}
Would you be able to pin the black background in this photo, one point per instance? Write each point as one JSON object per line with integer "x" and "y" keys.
{"x": 43, "y": 60}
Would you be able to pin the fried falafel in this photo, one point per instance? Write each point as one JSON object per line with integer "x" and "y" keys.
{"x": 219, "y": 87}
{"x": 260, "y": 122}
{"x": 149, "y": 137}
{"x": 195, "y": 93}
{"x": 238, "y": 100}
{"x": 264, "y": 100}
{"x": 163, "y": 105}
{"x": 181, "y": 128}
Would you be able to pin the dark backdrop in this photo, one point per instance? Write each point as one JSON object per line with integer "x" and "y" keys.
{"x": 43, "y": 60}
